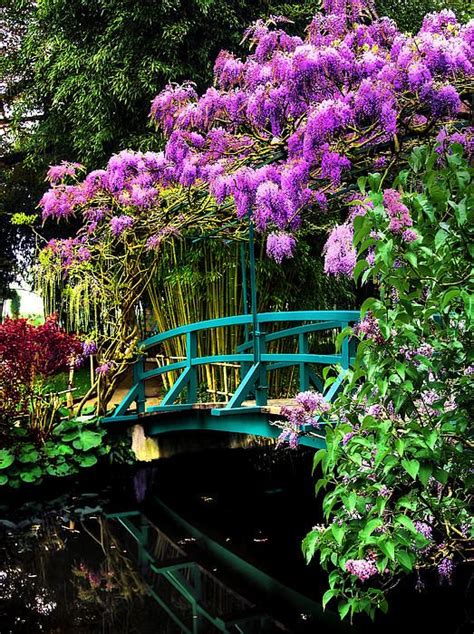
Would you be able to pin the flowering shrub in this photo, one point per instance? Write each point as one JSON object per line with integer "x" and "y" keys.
{"x": 397, "y": 468}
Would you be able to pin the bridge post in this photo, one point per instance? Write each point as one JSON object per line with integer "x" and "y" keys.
{"x": 191, "y": 353}
{"x": 261, "y": 387}
{"x": 345, "y": 352}
{"x": 303, "y": 348}
{"x": 138, "y": 369}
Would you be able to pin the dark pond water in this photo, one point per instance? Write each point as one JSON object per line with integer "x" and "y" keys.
{"x": 137, "y": 549}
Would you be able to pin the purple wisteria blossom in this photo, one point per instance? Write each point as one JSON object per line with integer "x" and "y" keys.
{"x": 369, "y": 328}
{"x": 280, "y": 246}
{"x": 424, "y": 529}
{"x": 57, "y": 173}
{"x": 104, "y": 368}
{"x": 446, "y": 570}
{"x": 89, "y": 347}
{"x": 339, "y": 253}
{"x": 312, "y": 402}
{"x": 118, "y": 224}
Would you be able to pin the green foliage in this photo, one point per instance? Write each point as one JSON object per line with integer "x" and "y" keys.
{"x": 93, "y": 67}
{"x": 409, "y": 14}
{"x": 73, "y": 444}
{"x": 397, "y": 468}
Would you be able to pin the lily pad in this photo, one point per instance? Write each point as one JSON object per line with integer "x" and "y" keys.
{"x": 6, "y": 458}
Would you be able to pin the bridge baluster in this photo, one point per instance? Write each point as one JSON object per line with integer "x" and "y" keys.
{"x": 261, "y": 387}
{"x": 303, "y": 348}
{"x": 138, "y": 369}
{"x": 345, "y": 353}
{"x": 191, "y": 353}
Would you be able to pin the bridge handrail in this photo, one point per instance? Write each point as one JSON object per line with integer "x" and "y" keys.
{"x": 253, "y": 366}
{"x": 344, "y": 316}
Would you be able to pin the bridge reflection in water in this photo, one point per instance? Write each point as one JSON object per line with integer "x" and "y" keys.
{"x": 249, "y": 410}
{"x": 194, "y": 598}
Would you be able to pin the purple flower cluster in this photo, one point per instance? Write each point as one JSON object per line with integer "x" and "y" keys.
{"x": 369, "y": 329}
{"x": 310, "y": 406}
{"x": 424, "y": 529}
{"x": 288, "y": 437}
{"x": 70, "y": 251}
{"x": 465, "y": 139}
{"x": 280, "y": 246}
{"x": 350, "y": 434}
{"x": 339, "y": 252}
{"x": 397, "y": 212}
{"x": 104, "y": 368}
{"x": 363, "y": 569}
{"x": 312, "y": 402}
{"x": 57, "y": 173}
{"x": 435, "y": 404}
{"x": 88, "y": 348}
{"x": 424, "y": 350}
{"x": 118, "y": 224}
{"x": 154, "y": 241}
{"x": 446, "y": 570}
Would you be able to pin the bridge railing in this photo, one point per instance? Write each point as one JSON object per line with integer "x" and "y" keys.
{"x": 252, "y": 355}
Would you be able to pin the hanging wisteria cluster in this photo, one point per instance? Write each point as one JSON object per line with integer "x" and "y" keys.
{"x": 287, "y": 129}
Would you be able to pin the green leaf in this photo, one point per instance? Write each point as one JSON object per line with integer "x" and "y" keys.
{"x": 350, "y": 501}
{"x": 31, "y": 475}
{"x": 405, "y": 559}
{"x": 343, "y": 609}
{"x": 359, "y": 268}
{"x": 361, "y": 183}
{"x": 28, "y": 456}
{"x": 425, "y": 473}
{"x": 319, "y": 455}
{"x": 88, "y": 440}
{"x": 6, "y": 458}
{"x": 61, "y": 470}
{"x": 309, "y": 545}
{"x": 338, "y": 532}
{"x": 406, "y": 522}
{"x": 3, "y": 479}
{"x": 369, "y": 528}
{"x": 410, "y": 257}
{"x": 87, "y": 460}
{"x": 400, "y": 446}
{"x": 65, "y": 450}
{"x": 328, "y": 595}
{"x": 431, "y": 439}
{"x": 448, "y": 297}
{"x": 369, "y": 304}
{"x": 411, "y": 467}
{"x": 406, "y": 502}
{"x": 388, "y": 548}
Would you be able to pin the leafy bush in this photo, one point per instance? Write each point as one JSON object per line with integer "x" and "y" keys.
{"x": 37, "y": 439}
{"x": 398, "y": 464}
{"x": 29, "y": 355}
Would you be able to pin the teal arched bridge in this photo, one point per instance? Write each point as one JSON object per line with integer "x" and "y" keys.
{"x": 249, "y": 409}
